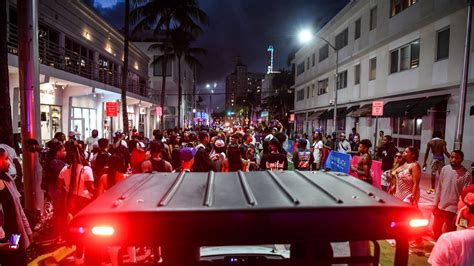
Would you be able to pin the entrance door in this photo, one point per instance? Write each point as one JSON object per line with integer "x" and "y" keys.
{"x": 78, "y": 126}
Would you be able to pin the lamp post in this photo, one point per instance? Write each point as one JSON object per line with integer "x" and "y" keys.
{"x": 306, "y": 36}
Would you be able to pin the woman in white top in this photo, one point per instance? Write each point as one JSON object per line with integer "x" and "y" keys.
{"x": 80, "y": 185}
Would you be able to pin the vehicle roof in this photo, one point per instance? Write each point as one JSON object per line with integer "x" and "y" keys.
{"x": 159, "y": 192}
{"x": 241, "y": 208}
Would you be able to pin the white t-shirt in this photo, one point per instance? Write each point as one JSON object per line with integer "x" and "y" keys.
{"x": 90, "y": 142}
{"x": 454, "y": 248}
{"x": 85, "y": 175}
{"x": 317, "y": 147}
{"x": 11, "y": 153}
{"x": 344, "y": 146}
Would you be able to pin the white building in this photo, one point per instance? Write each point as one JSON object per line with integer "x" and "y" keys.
{"x": 171, "y": 87}
{"x": 408, "y": 54}
{"x": 80, "y": 69}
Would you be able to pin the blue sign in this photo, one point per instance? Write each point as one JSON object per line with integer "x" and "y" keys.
{"x": 338, "y": 162}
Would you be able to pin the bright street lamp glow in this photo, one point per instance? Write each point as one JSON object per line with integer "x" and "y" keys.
{"x": 215, "y": 84}
{"x": 305, "y": 36}
{"x": 208, "y": 86}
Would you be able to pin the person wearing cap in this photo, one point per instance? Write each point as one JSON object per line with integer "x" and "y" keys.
{"x": 453, "y": 178}
{"x": 186, "y": 156}
{"x": 365, "y": 162}
{"x": 343, "y": 145}
{"x": 156, "y": 163}
{"x": 274, "y": 161}
{"x": 457, "y": 247}
{"x": 218, "y": 153}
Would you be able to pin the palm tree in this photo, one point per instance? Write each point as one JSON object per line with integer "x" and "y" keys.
{"x": 179, "y": 48}
{"x": 163, "y": 16}
{"x": 124, "y": 84}
{"x": 6, "y": 130}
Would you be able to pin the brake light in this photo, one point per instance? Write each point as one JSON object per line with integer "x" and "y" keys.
{"x": 103, "y": 230}
{"x": 419, "y": 222}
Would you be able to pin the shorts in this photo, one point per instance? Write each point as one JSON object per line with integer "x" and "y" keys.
{"x": 436, "y": 166}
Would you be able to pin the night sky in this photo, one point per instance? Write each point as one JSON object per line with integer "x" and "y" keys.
{"x": 244, "y": 28}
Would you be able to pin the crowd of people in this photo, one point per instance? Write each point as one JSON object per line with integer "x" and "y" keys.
{"x": 75, "y": 172}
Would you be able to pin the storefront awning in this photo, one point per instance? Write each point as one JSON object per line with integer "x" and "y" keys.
{"x": 330, "y": 114}
{"x": 365, "y": 110}
{"x": 351, "y": 109}
{"x": 400, "y": 108}
{"x": 422, "y": 108}
{"x": 316, "y": 115}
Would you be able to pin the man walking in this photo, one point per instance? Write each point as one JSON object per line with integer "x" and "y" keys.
{"x": 202, "y": 161}
{"x": 452, "y": 181}
{"x": 438, "y": 147}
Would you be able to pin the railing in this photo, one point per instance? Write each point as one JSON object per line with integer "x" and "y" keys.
{"x": 51, "y": 54}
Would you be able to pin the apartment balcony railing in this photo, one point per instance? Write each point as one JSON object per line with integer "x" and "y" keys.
{"x": 52, "y": 55}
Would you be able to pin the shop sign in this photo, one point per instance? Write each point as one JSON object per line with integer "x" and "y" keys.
{"x": 111, "y": 108}
{"x": 377, "y": 108}
{"x": 292, "y": 117}
{"x": 264, "y": 114}
{"x": 159, "y": 112}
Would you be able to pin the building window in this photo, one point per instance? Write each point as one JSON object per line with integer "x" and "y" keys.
{"x": 322, "y": 86}
{"x": 313, "y": 90}
{"x": 300, "y": 95}
{"x": 341, "y": 39}
{"x": 373, "y": 18}
{"x": 342, "y": 80}
{"x": 323, "y": 52}
{"x": 357, "y": 29}
{"x": 357, "y": 74}
{"x": 405, "y": 57}
{"x": 373, "y": 68}
{"x": 407, "y": 131}
{"x": 157, "y": 69}
{"x": 442, "y": 44}
{"x": 307, "y": 63}
{"x": 313, "y": 59}
{"x": 307, "y": 92}
{"x": 300, "y": 69}
{"x": 397, "y": 6}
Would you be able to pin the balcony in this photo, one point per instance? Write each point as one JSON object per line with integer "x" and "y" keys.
{"x": 52, "y": 55}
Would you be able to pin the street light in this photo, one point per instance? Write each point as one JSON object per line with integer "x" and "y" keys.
{"x": 305, "y": 36}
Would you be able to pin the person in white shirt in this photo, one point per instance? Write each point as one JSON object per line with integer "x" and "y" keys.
{"x": 317, "y": 149}
{"x": 457, "y": 247}
{"x": 343, "y": 144}
{"x": 92, "y": 140}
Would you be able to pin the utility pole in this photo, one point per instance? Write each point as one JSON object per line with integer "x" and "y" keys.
{"x": 465, "y": 76}
{"x": 30, "y": 101}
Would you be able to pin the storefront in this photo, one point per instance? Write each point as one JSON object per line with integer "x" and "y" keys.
{"x": 83, "y": 121}
{"x": 50, "y": 110}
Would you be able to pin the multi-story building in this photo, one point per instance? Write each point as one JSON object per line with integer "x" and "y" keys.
{"x": 171, "y": 86}
{"x": 408, "y": 54}
{"x": 241, "y": 83}
{"x": 81, "y": 59}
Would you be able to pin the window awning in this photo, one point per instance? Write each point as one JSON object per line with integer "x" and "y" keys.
{"x": 400, "y": 108}
{"x": 365, "y": 110}
{"x": 316, "y": 115}
{"x": 351, "y": 109}
{"x": 422, "y": 108}
{"x": 330, "y": 113}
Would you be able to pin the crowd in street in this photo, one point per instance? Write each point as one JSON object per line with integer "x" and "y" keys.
{"x": 75, "y": 172}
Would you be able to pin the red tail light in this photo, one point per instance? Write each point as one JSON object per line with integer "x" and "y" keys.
{"x": 419, "y": 222}
{"x": 103, "y": 230}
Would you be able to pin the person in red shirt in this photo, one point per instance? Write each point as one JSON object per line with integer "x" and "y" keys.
{"x": 137, "y": 156}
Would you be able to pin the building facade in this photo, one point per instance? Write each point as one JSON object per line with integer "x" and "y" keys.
{"x": 240, "y": 84}
{"x": 171, "y": 86}
{"x": 408, "y": 54}
{"x": 81, "y": 59}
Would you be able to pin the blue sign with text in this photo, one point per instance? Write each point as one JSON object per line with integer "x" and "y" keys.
{"x": 338, "y": 162}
